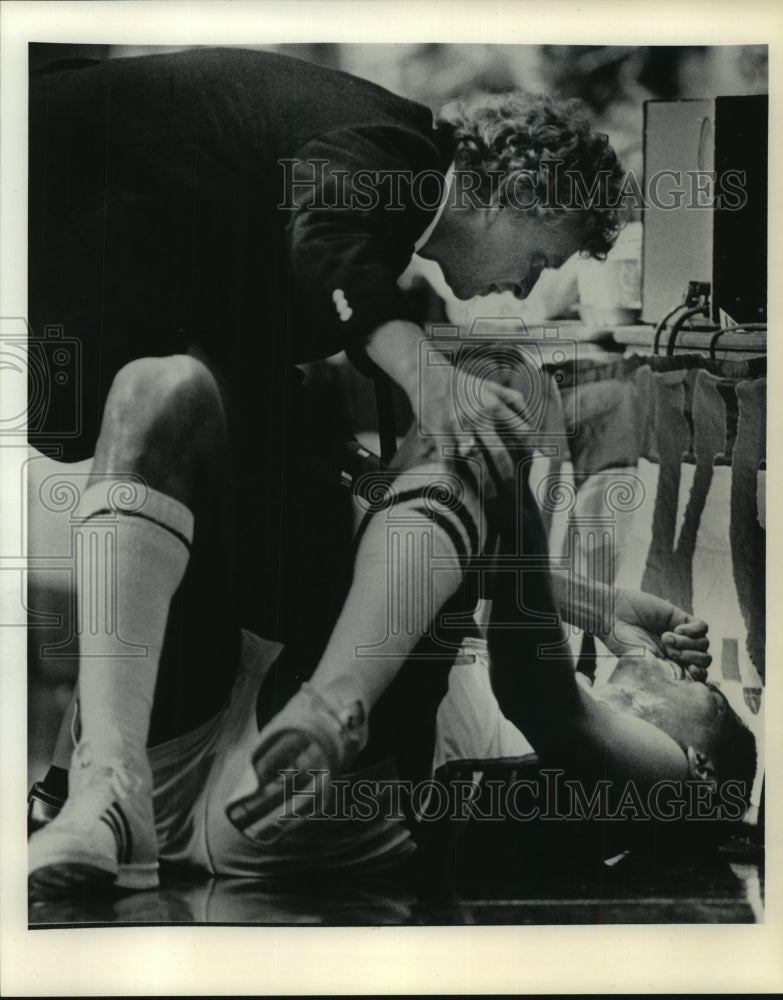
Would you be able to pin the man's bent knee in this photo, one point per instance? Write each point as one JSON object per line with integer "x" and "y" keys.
{"x": 161, "y": 414}
{"x": 152, "y": 394}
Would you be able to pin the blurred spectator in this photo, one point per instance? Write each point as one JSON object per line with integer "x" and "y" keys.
{"x": 436, "y": 73}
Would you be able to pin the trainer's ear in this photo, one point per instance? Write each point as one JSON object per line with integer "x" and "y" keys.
{"x": 701, "y": 767}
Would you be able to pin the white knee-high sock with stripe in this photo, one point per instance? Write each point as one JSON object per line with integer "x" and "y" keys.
{"x": 131, "y": 562}
{"x": 410, "y": 560}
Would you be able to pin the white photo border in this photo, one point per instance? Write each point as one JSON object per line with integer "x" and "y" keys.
{"x": 250, "y": 960}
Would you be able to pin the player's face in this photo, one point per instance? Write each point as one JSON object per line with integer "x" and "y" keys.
{"x": 666, "y": 695}
{"x": 504, "y": 250}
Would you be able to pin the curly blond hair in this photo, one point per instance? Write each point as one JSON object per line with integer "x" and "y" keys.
{"x": 549, "y": 148}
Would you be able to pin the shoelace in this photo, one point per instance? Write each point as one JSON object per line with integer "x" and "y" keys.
{"x": 119, "y": 781}
{"x": 76, "y": 724}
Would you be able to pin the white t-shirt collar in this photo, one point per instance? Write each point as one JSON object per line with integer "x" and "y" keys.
{"x": 421, "y": 241}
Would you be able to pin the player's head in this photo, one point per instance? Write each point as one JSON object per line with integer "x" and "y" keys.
{"x": 533, "y": 185}
{"x": 694, "y": 714}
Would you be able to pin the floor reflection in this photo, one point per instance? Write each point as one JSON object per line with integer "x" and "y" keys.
{"x": 187, "y": 900}
{"x": 632, "y": 890}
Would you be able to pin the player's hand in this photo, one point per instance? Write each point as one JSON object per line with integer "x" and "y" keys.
{"x": 661, "y": 628}
{"x": 687, "y": 644}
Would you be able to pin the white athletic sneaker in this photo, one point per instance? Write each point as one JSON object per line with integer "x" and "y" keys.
{"x": 318, "y": 734}
{"x": 105, "y": 834}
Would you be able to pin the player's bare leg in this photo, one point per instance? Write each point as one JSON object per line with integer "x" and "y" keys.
{"x": 162, "y": 426}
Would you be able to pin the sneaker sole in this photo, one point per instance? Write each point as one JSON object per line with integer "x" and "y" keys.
{"x": 60, "y": 879}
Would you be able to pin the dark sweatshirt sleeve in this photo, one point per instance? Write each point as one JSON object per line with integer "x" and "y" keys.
{"x": 356, "y": 197}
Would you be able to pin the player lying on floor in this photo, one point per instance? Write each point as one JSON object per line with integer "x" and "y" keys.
{"x": 194, "y": 796}
{"x": 655, "y": 719}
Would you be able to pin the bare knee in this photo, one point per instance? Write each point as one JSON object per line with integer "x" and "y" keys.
{"x": 161, "y": 414}
{"x": 155, "y": 389}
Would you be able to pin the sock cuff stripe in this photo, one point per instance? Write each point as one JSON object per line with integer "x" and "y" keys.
{"x": 448, "y": 528}
{"x": 153, "y": 505}
{"x": 459, "y": 510}
{"x": 145, "y": 517}
{"x": 444, "y": 519}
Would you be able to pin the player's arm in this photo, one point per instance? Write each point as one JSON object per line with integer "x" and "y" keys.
{"x": 568, "y": 728}
{"x": 534, "y": 681}
{"x": 586, "y": 736}
{"x": 403, "y": 351}
{"x": 633, "y": 623}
